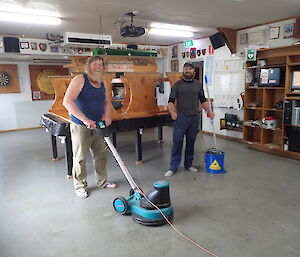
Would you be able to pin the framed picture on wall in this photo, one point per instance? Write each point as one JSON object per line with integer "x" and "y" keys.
{"x": 243, "y": 38}
{"x": 274, "y": 32}
{"x": 288, "y": 30}
{"x": 24, "y": 45}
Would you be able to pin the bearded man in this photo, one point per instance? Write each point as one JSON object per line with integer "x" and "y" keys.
{"x": 187, "y": 93}
{"x": 86, "y": 102}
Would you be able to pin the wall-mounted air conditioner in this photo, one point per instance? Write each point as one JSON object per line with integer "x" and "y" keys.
{"x": 85, "y": 40}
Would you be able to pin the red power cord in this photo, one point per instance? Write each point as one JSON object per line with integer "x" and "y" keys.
{"x": 177, "y": 231}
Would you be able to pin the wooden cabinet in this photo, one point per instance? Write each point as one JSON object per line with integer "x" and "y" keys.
{"x": 264, "y": 100}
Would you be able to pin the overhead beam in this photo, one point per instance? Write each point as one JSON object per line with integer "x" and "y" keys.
{"x": 297, "y": 27}
{"x": 230, "y": 35}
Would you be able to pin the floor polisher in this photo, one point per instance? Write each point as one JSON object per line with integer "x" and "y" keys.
{"x": 150, "y": 209}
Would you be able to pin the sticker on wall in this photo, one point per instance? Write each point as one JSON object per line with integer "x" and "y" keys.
{"x": 210, "y": 49}
{"x": 33, "y": 45}
{"x": 54, "y": 49}
{"x": 183, "y": 55}
{"x": 203, "y": 51}
{"x": 36, "y": 95}
{"x": 187, "y": 54}
{"x": 198, "y": 52}
{"x": 43, "y": 47}
{"x": 193, "y": 53}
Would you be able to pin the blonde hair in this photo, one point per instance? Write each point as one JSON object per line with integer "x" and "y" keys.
{"x": 92, "y": 59}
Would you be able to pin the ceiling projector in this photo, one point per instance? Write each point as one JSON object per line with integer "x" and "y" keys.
{"x": 132, "y": 31}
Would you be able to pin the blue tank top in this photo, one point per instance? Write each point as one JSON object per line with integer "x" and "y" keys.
{"x": 90, "y": 101}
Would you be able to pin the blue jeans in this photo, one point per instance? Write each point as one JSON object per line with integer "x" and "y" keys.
{"x": 184, "y": 125}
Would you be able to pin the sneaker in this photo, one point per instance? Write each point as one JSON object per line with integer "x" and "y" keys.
{"x": 192, "y": 169}
{"x": 81, "y": 193}
{"x": 169, "y": 173}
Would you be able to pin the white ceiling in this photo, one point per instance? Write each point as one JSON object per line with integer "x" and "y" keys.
{"x": 205, "y": 15}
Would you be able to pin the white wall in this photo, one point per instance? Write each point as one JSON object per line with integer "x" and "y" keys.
{"x": 222, "y": 53}
{"x": 17, "y": 110}
{"x": 267, "y": 41}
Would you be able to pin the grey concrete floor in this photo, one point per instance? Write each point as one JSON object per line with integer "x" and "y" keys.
{"x": 253, "y": 210}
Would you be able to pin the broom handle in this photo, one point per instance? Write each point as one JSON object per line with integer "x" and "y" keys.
{"x": 212, "y": 120}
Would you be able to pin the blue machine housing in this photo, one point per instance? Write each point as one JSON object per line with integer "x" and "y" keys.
{"x": 142, "y": 211}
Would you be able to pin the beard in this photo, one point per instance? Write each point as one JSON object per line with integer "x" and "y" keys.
{"x": 188, "y": 75}
{"x": 96, "y": 76}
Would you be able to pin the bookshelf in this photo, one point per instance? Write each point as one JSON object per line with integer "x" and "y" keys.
{"x": 263, "y": 101}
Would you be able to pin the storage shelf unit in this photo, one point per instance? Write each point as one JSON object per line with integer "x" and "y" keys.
{"x": 260, "y": 102}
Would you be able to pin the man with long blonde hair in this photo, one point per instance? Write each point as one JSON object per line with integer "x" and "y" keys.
{"x": 86, "y": 102}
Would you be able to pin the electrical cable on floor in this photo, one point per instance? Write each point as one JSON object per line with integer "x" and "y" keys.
{"x": 177, "y": 231}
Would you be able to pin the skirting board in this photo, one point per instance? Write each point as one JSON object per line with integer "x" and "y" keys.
{"x": 12, "y": 130}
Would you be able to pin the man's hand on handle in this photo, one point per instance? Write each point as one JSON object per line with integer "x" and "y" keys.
{"x": 210, "y": 114}
{"x": 174, "y": 115}
{"x": 107, "y": 121}
{"x": 89, "y": 123}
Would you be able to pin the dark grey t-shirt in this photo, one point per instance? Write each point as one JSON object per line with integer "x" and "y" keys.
{"x": 187, "y": 94}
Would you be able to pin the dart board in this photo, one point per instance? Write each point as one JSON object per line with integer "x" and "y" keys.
{"x": 9, "y": 79}
{"x": 5, "y": 79}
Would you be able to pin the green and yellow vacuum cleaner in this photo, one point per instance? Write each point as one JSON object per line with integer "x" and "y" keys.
{"x": 150, "y": 209}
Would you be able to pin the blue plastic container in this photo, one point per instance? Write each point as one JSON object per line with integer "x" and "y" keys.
{"x": 214, "y": 162}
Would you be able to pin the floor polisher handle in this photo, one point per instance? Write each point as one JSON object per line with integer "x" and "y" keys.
{"x": 102, "y": 130}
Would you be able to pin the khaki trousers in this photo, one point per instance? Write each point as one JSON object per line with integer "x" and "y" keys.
{"x": 83, "y": 140}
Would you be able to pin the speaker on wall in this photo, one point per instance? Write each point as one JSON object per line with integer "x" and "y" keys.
{"x": 217, "y": 40}
{"x": 11, "y": 45}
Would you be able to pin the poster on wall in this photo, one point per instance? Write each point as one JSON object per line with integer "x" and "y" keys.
{"x": 208, "y": 70}
{"x": 41, "y": 86}
{"x": 174, "y": 51}
{"x": 174, "y": 66}
{"x": 9, "y": 80}
{"x": 288, "y": 30}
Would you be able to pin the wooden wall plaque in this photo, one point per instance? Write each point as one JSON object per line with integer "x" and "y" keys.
{"x": 41, "y": 86}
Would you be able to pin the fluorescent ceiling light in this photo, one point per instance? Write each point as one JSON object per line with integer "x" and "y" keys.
{"x": 172, "y": 26}
{"x": 29, "y": 16}
{"x": 170, "y": 32}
